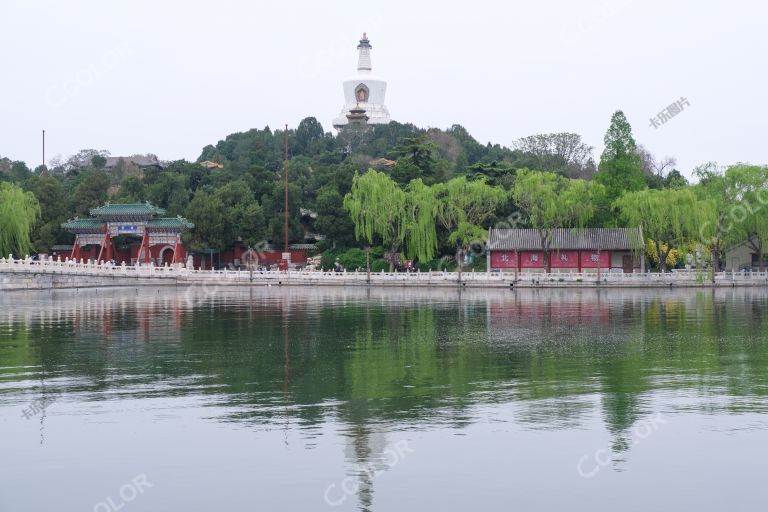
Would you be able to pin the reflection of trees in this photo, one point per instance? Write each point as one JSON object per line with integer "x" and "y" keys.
{"x": 394, "y": 356}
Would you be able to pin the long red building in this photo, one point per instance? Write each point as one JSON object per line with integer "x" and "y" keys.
{"x": 569, "y": 250}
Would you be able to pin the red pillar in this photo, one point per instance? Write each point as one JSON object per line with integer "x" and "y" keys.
{"x": 75, "y": 249}
{"x": 101, "y": 251}
{"x": 108, "y": 242}
{"x": 578, "y": 255}
{"x": 176, "y": 248}
{"x": 145, "y": 246}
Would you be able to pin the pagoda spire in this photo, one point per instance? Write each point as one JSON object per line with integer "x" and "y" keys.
{"x": 364, "y": 59}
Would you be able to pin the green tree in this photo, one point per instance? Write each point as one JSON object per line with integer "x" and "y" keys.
{"x": 377, "y": 206}
{"x": 618, "y": 140}
{"x": 463, "y": 237}
{"x": 564, "y": 153}
{"x": 467, "y": 205}
{"x": 206, "y": 213}
{"x": 419, "y": 152}
{"x": 15, "y": 171}
{"x": 719, "y": 193}
{"x": 53, "y": 211}
{"x": 619, "y": 177}
{"x": 419, "y": 221}
{"x": 98, "y": 161}
{"x": 131, "y": 190}
{"x": 19, "y": 211}
{"x": 551, "y": 201}
{"x": 243, "y": 216}
{"x": 621, "y": 167}
{"x": 332, "y": 219}
{"x": 170, "y": 191}
{"x": 667, "y": 216}
{"x": 748, "y": 220}
{"x": 91, "y": 192}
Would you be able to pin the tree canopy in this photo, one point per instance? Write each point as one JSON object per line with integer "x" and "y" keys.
{"x": 668, "y": 217}
{"x": 550, "y": 201}
{"x": 422, "y": 194}
{"x": 19, "y": 210}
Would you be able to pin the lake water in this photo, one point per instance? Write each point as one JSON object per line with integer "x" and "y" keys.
{"x": 386, "y": 400}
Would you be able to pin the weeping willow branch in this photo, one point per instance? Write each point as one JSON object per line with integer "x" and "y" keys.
{"x": 19, "y": 211}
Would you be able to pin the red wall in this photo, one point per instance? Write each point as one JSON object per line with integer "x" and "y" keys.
{"x": 229, "y": 256}
{"x": 589, "y": 259}
{"x": 503, "y": 259}
{"x": 531, "y": 259}
{"x": 564, "y": 259}
{"x": 559, "y": 259}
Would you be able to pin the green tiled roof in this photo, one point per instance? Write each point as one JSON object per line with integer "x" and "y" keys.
{"x": 109, "y": 210}
{"x": 170, "y": 223}
{"x": 78, "y": 225}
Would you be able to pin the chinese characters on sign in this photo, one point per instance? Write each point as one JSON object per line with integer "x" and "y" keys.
{"x": 120, "y": 228}
{"x": 669, "y": 112}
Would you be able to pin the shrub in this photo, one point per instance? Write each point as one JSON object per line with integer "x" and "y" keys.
{"x": 379, "y": 264}
{"x": 328, "y": 258}
{"x": 353, "y": 259}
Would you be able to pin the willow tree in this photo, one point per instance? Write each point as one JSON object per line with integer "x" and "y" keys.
{"x": 719, "y": 192}
{"x": 463, "y": 206}
{"x": 748, "y": 220}
{"x": 377, "y": 206}
{"x": 463, "y": 237}
{"x": 667, "y": 216}
{"x": 419, "y": 221}
{"x": 19, "y": 211}
{"x": 551, "y": 201}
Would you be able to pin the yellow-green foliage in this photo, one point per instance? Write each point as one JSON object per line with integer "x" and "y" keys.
{"x": 652, "y": 255}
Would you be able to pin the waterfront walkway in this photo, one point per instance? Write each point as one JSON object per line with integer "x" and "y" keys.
{"x": 28, "y": 274}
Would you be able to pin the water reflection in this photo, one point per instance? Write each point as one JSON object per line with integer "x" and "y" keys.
{"x": 373, "y": 362}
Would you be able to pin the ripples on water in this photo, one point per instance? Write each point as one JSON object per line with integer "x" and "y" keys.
{"x": 286, "y": 391}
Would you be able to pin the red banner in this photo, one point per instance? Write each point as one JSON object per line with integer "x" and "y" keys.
{"x": 564, "y": 259}
{"x": 591, "y": 259}
{"x": 503, "y": 259}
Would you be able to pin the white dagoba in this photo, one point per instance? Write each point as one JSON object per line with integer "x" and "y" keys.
{"x": 364, "y": 91}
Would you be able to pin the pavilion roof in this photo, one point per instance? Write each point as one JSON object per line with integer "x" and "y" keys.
{"x": 130, "y": 209}
{"x": 169, "y": 223}
{"x": 626, "y": 239}
{"x": 87, "y": 225}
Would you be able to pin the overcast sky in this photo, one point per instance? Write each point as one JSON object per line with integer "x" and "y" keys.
{"x": 169, "y": 77}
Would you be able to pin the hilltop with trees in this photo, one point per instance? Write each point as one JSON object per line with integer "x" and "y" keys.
{"x": 400, "y": 191}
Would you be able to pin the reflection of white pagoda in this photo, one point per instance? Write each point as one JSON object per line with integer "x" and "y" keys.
{"x": 364, "y": 91}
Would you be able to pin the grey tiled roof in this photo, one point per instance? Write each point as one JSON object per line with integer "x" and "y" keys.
{"x": 564, "y": 239}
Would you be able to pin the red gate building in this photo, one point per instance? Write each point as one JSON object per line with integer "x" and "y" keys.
{"x": 128, "y": 233}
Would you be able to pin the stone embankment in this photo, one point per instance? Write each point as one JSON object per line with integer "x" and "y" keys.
{"x": 33, "y": 275}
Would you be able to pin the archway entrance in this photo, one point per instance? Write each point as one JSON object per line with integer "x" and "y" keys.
{"x": 166, "y": 255}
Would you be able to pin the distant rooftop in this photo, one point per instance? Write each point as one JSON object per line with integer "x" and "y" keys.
{"x": 132, "y": 209}
{"x": 138, "y": 160}
{"x": 211, "y": 165}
